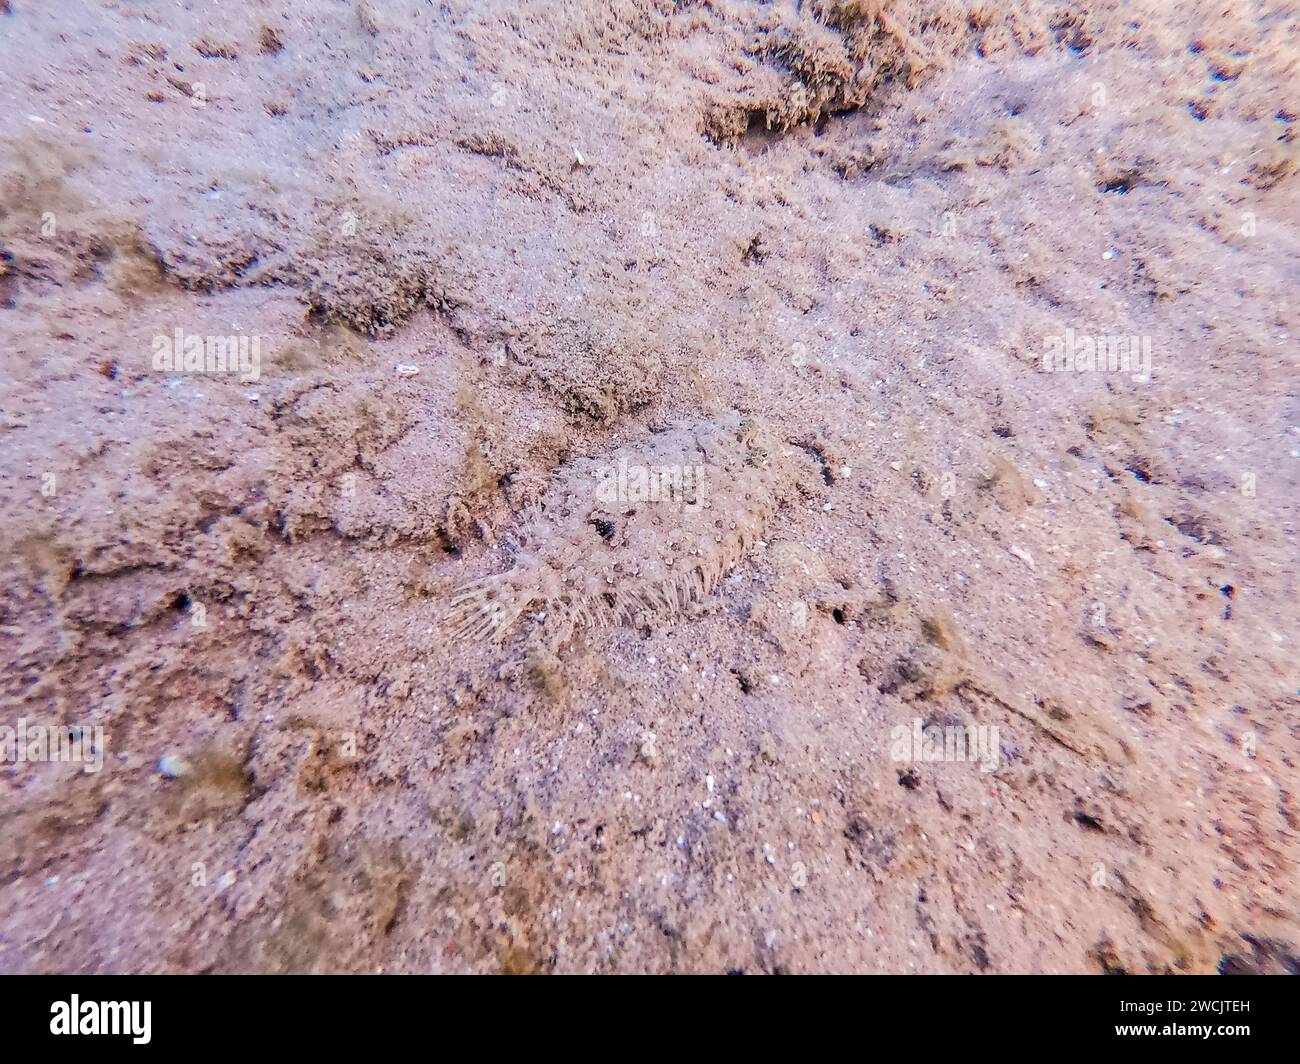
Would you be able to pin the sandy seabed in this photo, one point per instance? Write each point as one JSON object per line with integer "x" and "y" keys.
{"x": 645, "y": 487}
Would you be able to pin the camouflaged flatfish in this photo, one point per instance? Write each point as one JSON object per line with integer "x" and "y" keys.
{"x": 640, "y": 531}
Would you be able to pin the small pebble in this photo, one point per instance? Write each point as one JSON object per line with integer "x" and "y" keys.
{"x": 173, "y": 767}
{"x": 1023, "y": 555}
{"x": 649, "y": 751}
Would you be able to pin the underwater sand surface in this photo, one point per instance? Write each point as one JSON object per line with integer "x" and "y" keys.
{"x": 879, "y": 420}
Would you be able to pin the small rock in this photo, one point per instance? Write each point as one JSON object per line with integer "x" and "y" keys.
{"x": 173, "y": 767}
{"x": 649, "y": 751}
{"x": 1023, "y": 555}
{"x": 799, "y": 875}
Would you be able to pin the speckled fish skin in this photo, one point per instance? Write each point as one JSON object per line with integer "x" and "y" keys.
{"x": 640, "y": 531}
